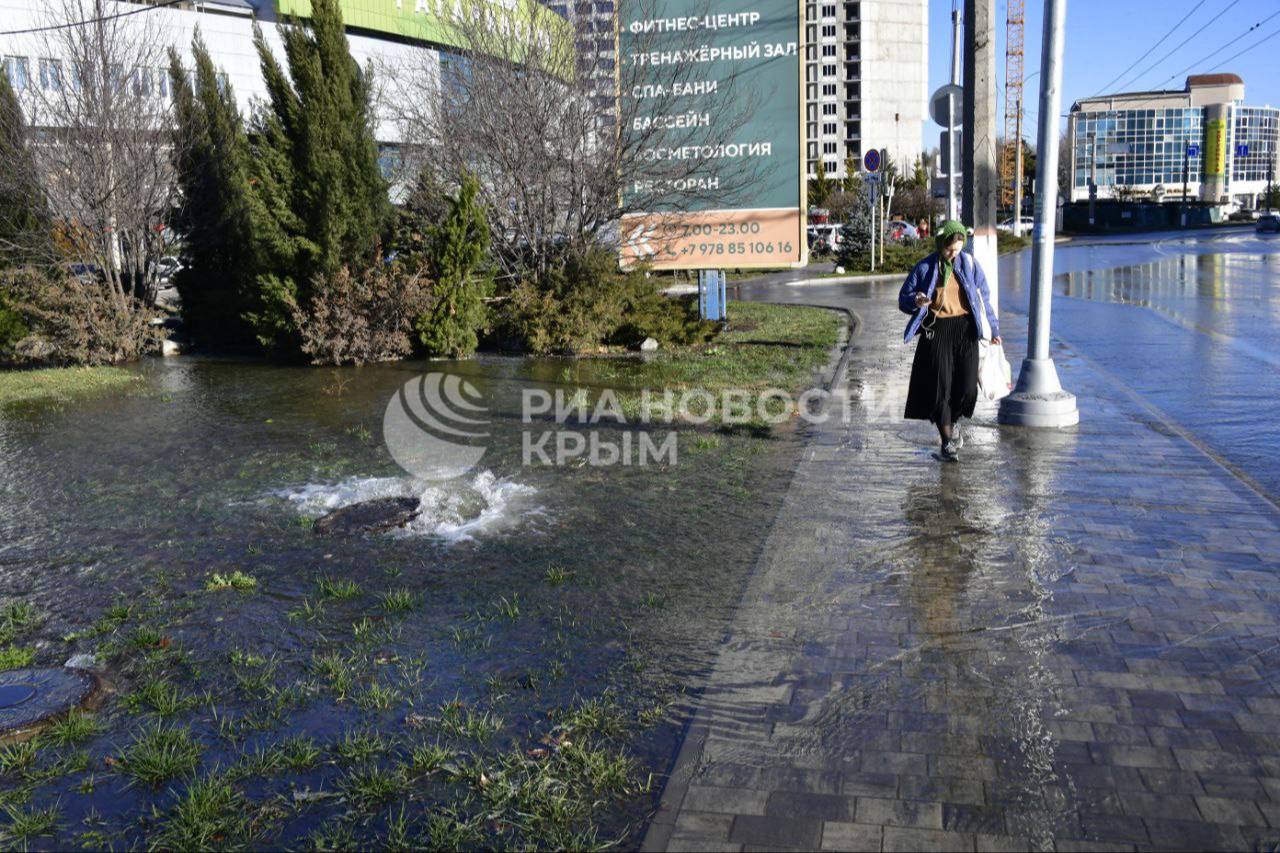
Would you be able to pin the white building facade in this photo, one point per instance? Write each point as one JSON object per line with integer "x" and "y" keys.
{"x": 227, "y": 29}
{"x": 866, "y": 80}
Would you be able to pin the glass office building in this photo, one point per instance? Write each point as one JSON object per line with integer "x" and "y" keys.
{"x": 1153, "y": 144}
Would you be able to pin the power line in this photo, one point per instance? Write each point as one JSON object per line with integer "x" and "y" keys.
{"x": 1181, "y": 21}
{"x": 1180, "y": 44}
{"x": 1246, "y": 50}
{"x": 160, "y": 5}
{"x": 1218, "y": 50}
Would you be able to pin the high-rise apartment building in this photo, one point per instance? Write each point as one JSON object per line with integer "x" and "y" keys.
{"x": 866, "y": 80}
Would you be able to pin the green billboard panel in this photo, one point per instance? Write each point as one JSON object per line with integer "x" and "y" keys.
{"x": 710, "y": 97}
{"x": 430, "y": 20}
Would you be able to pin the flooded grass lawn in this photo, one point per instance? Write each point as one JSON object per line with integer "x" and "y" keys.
{"x": 512, "y": 670}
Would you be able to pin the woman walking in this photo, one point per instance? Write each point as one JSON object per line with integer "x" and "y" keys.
{"x": 947, "y": 296}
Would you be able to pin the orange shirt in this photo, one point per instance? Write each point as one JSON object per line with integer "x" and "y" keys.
{"x": 949, "y": 299}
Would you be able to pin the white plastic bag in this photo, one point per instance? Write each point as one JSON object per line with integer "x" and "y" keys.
{"x": 995, "y": 375}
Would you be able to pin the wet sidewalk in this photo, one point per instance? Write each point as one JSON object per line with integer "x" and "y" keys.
{"x": 1069, "y": 640}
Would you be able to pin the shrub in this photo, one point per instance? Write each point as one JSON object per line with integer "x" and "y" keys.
{"x": 459, "y": 264}
{"x": 588, "y": 302}
{"x": 855, "y": 239}
{"x": 77, "y": 321}
{"x": 360, "y": 317}
{"x": 12, "y": 329}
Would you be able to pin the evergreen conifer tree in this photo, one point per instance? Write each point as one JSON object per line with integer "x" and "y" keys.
{"x": 855, "y": 239}
{"x": 459, "y": 247}
{"x": 320, "y": 119}
{"x": 819, "y": 186}
{"x": 319, "y": 200}
{"x": 217, "y": 282}
{"x": 25, "y": 228}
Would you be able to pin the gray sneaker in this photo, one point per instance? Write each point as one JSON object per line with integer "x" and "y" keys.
{"x": 950, "y": 450}
{"x": 956, "y": 438}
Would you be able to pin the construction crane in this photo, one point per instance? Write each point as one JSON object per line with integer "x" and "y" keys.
{"x": 1009, "y": 171}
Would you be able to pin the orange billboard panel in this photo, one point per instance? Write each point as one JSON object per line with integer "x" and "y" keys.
{"x": 714, "y": 239}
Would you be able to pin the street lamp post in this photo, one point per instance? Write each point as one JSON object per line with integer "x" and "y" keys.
{"x": 1017, "y": 181}
{"x": 1039, "y": 400}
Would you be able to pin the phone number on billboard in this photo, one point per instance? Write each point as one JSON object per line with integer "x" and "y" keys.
{"x": 755, "y": 248}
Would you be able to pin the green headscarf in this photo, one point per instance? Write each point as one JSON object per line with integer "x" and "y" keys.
{"x": 950, "y": 229}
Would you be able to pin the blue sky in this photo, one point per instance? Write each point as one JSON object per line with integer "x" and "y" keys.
{"x": 1105, "y": 36}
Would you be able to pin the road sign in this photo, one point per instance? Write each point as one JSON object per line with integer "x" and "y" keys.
{"x": 721, "y": 183}
{"x": 1242, "y": 150}
{"x": 945, "y": 105}
{"x": 1193, "y": 150}
{"x": 871, "y": 160}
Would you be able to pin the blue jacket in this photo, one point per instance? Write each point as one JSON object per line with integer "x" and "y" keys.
{"x": 924, "y": 279}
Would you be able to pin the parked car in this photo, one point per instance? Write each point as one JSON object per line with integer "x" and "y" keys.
{"x": 1026, "y": 222}
{"x": 824, "y": 238}
{"x": 85, "y": 273}
{"x": 1268, "y": 222}
{"x": 897, "y": 231}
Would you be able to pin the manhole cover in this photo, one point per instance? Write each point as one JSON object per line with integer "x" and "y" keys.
{"x": 29, "y": 697}
{"x": 12, "y": 695}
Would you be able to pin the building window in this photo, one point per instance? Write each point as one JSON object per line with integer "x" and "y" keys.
{"x": 829, "y": 90}
{"x": 828, "y": 148}
{"x": 828, "y": 71}
{"x": 828, "y": 109}
{"x": 829, "y": 128}
{"x": 829, "y": 11}
{"x": 19, "y": 72}
{"x": 51, "y": 75}
{"x": 829, "y": 31}
{"x": 828, "y": 50}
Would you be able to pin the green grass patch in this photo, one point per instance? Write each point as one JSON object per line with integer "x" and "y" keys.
{"x": 764, "y": 347}
{"x": 366, "y": 788}
{"x": 62, "y": 383}
{"x": 338, "y": 588}
{"x": 211, "y": 815}
{"x": 16, "y": 657}
{"x": 26, "y": 824}
{"x": 159, "y": 754}
{"x": 400, "y": 600}
{"x": 237, "y": 580}
{"x": 18, "y": 758}
{"x": 162, "y": 697}
{"x": 73, "y": 728}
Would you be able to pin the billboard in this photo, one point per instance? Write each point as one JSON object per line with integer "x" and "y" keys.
{"x": 428, "y": 20}
{"x": 1215, "y": 148}
{"x": 721, "y": 180}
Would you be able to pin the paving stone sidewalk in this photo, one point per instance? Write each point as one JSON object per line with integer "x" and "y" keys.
{"x": 1069, "y": 640}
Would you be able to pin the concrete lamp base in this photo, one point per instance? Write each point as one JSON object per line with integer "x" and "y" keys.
{"x": 1038, "y": 400}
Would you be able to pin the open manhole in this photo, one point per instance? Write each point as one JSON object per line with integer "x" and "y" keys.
{"x": 30, "y": 697}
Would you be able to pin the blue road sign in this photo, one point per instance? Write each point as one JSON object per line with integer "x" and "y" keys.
{"x": 871, "y": 160}
{"x": 1193, "y": 150}
{"x": 1242, "y": 150}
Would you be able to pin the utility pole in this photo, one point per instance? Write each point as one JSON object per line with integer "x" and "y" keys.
{"x": 953, "y": 210}
{"x": 981, "y": 169}
{"x": 1186, "y": 175}
{"x": 1093, "y": 175}
{"x": 1038, "y": 400}
{"x": 1271, "y": 176}
{"x": 1017, "y": 174}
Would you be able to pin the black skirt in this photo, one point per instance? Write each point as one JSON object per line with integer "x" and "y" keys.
{"x": 944, "y": 375}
